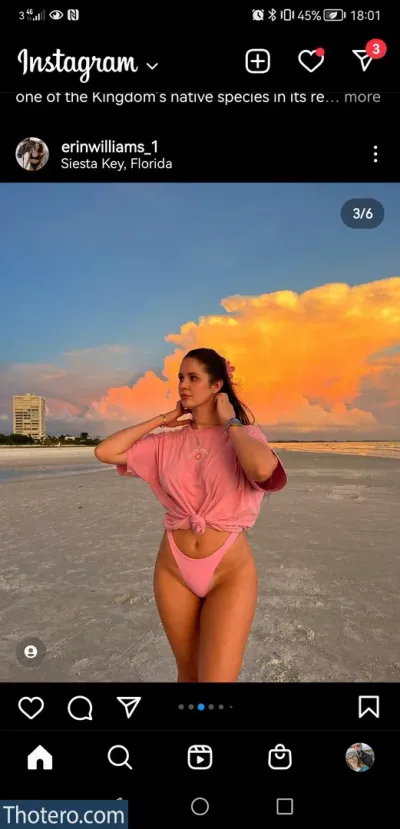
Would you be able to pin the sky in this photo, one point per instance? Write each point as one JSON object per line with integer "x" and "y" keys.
{"x": 105, "y": 286}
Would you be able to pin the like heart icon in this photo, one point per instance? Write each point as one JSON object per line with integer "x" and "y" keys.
{"x": 31, "y": 706}
{"x": 309, "y": 62}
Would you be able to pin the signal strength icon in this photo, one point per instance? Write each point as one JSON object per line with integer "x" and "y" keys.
{"x": 31, "y": 14}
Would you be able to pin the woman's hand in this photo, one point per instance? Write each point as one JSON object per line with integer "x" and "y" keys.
{"x": 225, "y": 409}
{"x": 179, "y": 411}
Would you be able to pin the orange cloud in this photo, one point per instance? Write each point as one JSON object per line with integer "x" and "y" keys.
{"x": 302, "y": 360}
{"x": 146, "y": 398}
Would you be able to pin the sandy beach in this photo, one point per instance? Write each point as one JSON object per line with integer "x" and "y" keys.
{"x": 27, "y": 456}
{"x": 77, "y": 552}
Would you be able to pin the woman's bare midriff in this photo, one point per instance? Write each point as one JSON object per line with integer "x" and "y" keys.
{"x": 238, "y": 557}
{"x": 195, "y": 545}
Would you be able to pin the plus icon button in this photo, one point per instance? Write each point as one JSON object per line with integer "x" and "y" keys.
{"x": 258, "y": 61}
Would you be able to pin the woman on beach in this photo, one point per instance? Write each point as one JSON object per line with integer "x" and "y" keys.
{"x": 211, "y": 477}
{"x": 36, "y": 156}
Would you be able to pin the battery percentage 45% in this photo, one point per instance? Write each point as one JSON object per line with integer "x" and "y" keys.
{"x": 308, "y": 15}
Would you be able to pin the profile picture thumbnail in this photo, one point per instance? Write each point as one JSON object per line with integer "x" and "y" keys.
{"x": 360, "y": 757}
{"x": 32, "y": 154}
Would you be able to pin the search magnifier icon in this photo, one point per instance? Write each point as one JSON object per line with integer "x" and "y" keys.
{"x": 118, "y": 762}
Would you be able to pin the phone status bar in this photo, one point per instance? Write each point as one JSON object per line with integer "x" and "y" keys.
{"x": 41, "y": 15}
{"x": 315, "y": 15}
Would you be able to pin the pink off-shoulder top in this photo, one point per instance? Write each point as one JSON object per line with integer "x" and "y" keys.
{"x": 200, "y": 485}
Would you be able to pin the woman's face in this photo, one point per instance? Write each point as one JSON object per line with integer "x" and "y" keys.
{"x": 194, "y": 384}
{"x": 36, "y": 146}
{"x": 353, "y": 762}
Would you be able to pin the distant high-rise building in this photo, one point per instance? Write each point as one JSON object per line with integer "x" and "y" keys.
{"x": 29, "y": 415}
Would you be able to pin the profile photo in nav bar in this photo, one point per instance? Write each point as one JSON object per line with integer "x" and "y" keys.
{"x": 32, "y": 154}
{"x": 360, "y": 757}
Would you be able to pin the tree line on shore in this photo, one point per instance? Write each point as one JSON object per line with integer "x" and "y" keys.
{"x": 15, "y": 439}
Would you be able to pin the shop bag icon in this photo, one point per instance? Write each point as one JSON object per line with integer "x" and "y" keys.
{"x": 279, "y": 758}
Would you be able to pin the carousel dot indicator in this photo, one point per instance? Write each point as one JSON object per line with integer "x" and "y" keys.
{"x": 201, "y": 706}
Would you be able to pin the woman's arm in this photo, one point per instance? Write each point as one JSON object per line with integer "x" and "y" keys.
{"x": 121, "y": 441}
{"x": 110, "y": 449}
{"x": 256, "y": 459}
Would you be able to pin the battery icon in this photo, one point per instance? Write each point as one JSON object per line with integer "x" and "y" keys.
{"x": 334, "y": 14}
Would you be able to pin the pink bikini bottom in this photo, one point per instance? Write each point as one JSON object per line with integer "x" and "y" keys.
{"x": 198, "y": 572}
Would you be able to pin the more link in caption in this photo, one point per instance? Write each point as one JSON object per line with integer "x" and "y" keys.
{"x": 198, "y": 98}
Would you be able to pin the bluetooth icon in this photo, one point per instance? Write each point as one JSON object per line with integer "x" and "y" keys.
{"x": 272, "y": 15}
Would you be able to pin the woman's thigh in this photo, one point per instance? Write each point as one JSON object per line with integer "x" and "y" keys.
{"x": 226, "y": 618}
{"x": 179, "y": 611}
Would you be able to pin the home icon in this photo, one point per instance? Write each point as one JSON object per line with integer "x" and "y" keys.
{"x": 40, "y": 758}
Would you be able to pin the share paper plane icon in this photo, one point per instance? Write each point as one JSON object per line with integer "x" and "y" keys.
{"x": 130, "y": 704}
{"x": 363, "y": 57}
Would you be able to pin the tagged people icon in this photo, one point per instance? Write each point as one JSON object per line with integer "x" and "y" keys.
{"x": 32, "y": 154}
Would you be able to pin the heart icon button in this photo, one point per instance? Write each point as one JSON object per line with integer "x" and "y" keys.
{"x": 31, "y": 706}
{"x": 311, "y": 60}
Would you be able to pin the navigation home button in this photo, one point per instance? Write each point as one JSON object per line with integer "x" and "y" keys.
{"x": 199, "y": 806}
{"x": 40, "y": 758}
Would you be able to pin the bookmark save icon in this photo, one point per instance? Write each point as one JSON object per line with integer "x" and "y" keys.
{"x": 130, "y": 704}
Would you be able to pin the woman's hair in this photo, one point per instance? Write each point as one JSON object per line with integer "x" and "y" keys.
{"x": 215, "y": 367}
{"x": 351, "y": 754}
